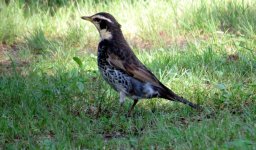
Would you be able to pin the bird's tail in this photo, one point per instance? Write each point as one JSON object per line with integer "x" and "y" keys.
{"x": 166, "y": 93}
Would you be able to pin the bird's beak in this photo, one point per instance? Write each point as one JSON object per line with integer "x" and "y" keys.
{"x": 88, "y": 18}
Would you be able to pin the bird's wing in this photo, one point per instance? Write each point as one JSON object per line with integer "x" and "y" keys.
{"x": 135, "y": 68}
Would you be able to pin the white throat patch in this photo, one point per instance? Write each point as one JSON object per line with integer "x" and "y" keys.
{"x": 105, "y": 35}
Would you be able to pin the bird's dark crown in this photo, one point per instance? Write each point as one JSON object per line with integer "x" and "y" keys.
{"x": 106, "y": 24}
{"x": 109, "y": 29}
{"x": 103, "y": 20}
{"x": 107, "y": 16}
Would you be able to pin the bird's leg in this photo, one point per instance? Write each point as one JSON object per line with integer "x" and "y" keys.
{"x": 135, "y": 101}
{"x": 121, "y": 100}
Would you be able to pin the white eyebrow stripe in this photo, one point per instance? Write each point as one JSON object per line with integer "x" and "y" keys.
{"x": 102, "y": 17}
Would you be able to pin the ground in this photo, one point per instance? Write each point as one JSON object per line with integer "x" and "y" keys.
{"x": 53, "y": 97}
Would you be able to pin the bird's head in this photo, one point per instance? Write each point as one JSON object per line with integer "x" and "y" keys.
{"x": 105, "y": 23}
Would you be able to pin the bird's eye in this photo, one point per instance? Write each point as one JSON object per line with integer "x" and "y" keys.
{"x": 96, "y": 19}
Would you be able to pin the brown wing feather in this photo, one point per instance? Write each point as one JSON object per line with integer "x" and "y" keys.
{"x": 115, "y": 61}
{"x": 134, "y": 68}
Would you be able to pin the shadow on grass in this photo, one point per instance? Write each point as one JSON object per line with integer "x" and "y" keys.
{"x": 57, "y": 105}
{"x": 79, "y": 88}
{"x": 52, "y": 102}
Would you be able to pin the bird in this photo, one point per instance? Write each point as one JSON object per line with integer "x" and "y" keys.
{"x": 122, "y": 70}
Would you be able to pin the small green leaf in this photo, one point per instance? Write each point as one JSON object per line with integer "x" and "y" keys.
{"x": 78, "y": 61}
{"x": 80, "y": 86}
{"x": 219, "y": 73}
{"x": 221, "y": 86}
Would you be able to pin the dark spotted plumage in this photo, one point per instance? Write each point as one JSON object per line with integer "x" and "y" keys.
{"x": 122, "y": 69}
{"x": 117, "y": 78}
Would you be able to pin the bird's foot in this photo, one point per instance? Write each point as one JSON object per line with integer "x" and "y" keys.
{"x": 121, "y": 109}
{"x": 128, "y": 115}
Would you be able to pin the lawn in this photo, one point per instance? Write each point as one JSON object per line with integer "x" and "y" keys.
{"x": 53, "y": 97}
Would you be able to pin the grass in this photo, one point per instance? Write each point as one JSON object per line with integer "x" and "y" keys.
{"x": 52, "y": 95}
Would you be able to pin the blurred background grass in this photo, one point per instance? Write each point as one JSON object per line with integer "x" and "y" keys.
{"x": 204, "y": 50}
